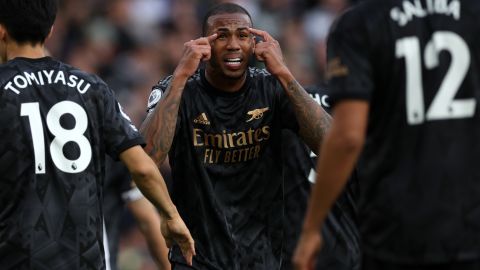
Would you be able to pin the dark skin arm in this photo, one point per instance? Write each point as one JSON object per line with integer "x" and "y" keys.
{"x": 159, "y": 126}
{"x": 337, "y": 159}
{"x": 148, "y": 179}
{"x": 312, "y": 118}
{"x": 148, "y": 221}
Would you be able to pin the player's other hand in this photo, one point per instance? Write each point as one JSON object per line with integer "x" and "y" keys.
{"x": 268, "y": 50}
{"x": 309, "y": 244}
{"x": 174, "y": 230}
{"x": 194, "y": 51}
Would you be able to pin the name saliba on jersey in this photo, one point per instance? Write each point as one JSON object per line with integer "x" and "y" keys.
{"x": 44, "y": 77}
{"x": 231, "y": 147}
{"x": 414, "y": 9}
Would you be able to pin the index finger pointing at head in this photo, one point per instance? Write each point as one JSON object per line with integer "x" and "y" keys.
{"x": 205, "y": 40}
{"x": 212, "y": 37}
{"x": 265, "y": 35}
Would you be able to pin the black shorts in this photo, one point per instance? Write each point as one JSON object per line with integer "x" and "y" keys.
{"x": 370, "y": 263}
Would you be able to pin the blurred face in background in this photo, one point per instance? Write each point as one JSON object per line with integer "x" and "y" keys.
{"x": 233, "y": 47}
{"x": 335, "y": 6}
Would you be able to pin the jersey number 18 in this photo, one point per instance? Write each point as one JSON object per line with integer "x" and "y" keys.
{"x": 62, "y": 136}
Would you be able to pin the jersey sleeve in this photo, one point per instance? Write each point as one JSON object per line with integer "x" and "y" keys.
{"x": 121, "y": 134}
{"x": 156, "y": 95}
{"x": 349, "y": 71}
{"x": 157, "y": 92}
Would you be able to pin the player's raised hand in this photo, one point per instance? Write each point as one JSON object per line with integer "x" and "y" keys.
{"x": 174, "y": 230}
{"x": 269, "y": 51}
{"x": 308, "y": 246}
{"x": 194, "y": 51}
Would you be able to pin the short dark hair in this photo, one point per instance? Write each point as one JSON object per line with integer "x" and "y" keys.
{"x": 28, "y": 21}
{"x": 223, "y": 8}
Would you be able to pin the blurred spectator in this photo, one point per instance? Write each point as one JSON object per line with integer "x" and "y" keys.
{"x": 298, "y": 52}
{"x": 317, "y": 22}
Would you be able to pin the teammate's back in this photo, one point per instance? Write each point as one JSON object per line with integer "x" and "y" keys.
{"x": 417, "y": 63}
{"x": 403, "y": 76}
{"x": 57, "y": 125}
{"x": 52, "y": 137}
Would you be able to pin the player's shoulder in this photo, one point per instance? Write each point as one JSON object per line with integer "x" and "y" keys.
{"x": 163, "y": 83}
{"x": 255, "y": 72}
{"x": 81, "y": 74}
{"x": 20, "y": 72}
{"x": 261, "y": 76}
{"x": 193, "y": 82}
{"x": 7, "y": 71}
{"x": 49, "y": 67}
{"x": 358, "y": 16}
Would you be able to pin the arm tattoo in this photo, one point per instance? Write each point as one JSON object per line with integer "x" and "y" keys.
{"x": 159, "y": 126}
{"x": 312, "y": 118}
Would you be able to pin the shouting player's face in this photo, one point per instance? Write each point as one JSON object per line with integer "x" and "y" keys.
{"x": 234, "y": 45}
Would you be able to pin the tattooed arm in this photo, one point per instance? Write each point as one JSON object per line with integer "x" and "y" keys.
{"x": 159, "y": 126}
{"x": 312, "y": 118}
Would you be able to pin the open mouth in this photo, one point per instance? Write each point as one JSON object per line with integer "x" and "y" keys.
{"x": 233, "y": 62}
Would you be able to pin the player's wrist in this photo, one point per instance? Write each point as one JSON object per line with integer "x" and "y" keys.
{"x": 170, "y": 213}
{"x": 181, "y": 76}
{"x": 285, "y": 75}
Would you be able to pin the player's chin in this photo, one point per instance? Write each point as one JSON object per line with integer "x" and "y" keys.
{"x": 239, "y": 74}
{"x": 235, "y": 72}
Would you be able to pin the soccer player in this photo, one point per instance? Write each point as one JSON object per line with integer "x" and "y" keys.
{"x": 404, "y": 85}
{"x": 121, "y": 193}
{"x": 342, "y": 251}
{"x": 57, "y": 125}
{"x": 221, "y": 126}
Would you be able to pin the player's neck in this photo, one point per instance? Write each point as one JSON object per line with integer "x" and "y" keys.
{"x": 225, "y": 84}
{"x": 25, "y": 50}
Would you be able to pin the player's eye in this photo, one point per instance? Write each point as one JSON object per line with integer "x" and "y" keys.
{"x": 244, "y": 35}
{"x": 221, "y": 36}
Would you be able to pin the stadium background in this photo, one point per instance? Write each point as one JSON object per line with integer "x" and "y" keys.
{"x": 131, "y": 44}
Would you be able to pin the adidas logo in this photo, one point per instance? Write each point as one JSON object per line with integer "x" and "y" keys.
{"x": 202, "y": 119}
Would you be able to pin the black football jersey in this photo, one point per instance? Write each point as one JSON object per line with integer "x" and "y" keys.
{"x": 340, "y": 249}
{"x": 227, "y": 170}
{"x": 417, "y": 64}
{"x": 56, "y": 124}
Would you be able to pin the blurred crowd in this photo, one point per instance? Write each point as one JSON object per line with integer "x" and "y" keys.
{"x": 132, "y": 44}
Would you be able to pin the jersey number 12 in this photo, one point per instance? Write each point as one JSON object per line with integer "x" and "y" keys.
{"x": 62, "y": 136}
{"x": 443, "y": 106}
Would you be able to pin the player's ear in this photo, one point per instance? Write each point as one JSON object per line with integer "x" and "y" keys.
{"x": 3, "y": 32}
{"x": 50, "y": 33}
{"x": 3, "y": 44}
